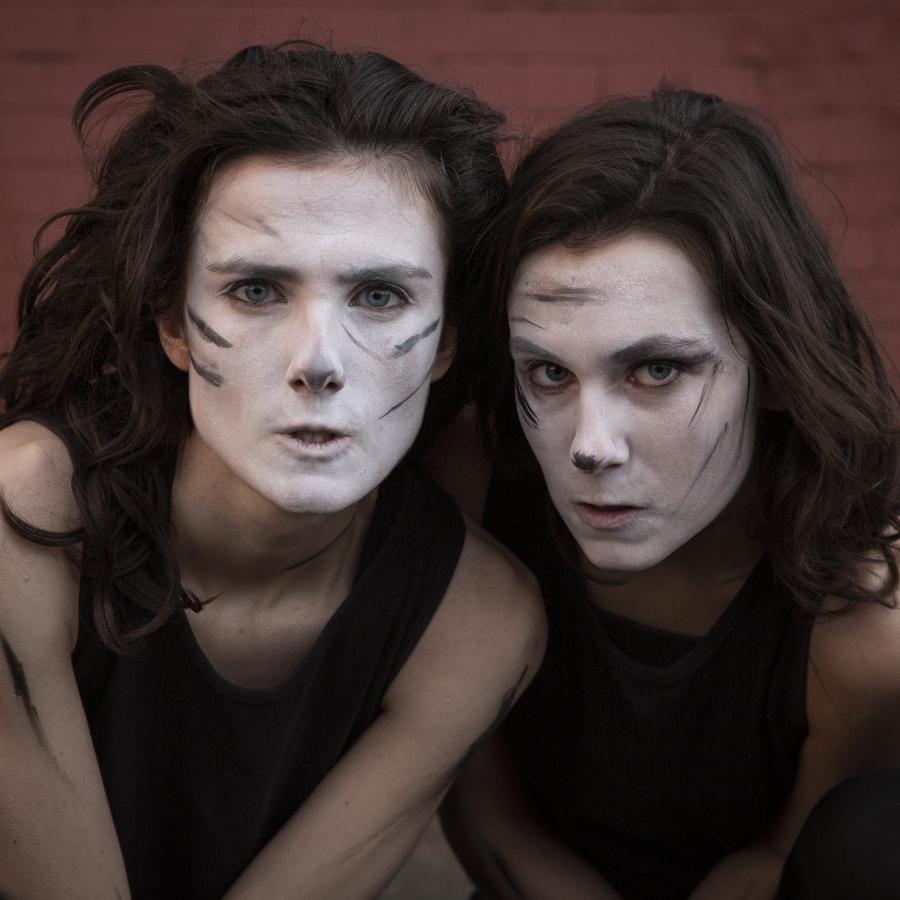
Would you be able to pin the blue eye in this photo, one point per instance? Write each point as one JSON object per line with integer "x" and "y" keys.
{"x": 379, "y": 296}
{"x": 656, "y": 374}
{"x": 253, "y": 293}
{"x": 548, "y": 375}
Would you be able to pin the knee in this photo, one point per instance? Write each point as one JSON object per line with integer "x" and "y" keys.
{"x": 848, "y": 846}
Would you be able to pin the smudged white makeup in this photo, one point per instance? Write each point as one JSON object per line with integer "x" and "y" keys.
{"x": 632, "y": 395}
{"x": 312, "y": 324}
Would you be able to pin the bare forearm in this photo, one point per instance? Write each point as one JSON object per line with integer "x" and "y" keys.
{"x": 751, "y": 874}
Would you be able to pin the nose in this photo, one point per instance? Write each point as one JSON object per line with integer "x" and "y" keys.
{"x": 315, "y": 360}
{"x": 601, "y": 433}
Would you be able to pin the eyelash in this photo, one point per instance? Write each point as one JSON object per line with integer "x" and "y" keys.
{"x": 401, "y": 295}
{"x": 554, "y": 388}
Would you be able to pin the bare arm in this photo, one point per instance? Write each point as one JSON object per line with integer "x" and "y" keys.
{"x": 501, "y": 842}
{"x": 57, "y": 838}
{"x": 479, "y": 652}
{"x": 853, "y": 695}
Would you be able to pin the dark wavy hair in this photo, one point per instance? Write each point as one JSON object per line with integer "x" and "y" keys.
{"x": 709, "y": 175}
{"x": 87, "y": 357}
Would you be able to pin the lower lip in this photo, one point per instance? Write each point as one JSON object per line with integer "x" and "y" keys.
{"x": 606, "y": 518}
{"x": 325, "y": 451}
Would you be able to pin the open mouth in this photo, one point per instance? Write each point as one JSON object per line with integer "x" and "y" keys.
{"x": 308, "y": 436}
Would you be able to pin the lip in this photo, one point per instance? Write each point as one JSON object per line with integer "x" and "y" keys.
{"x": 608, "y": 517}
{"x": 326, "y": 450}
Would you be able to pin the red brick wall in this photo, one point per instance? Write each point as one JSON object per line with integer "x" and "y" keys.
{"x": 828, "y": 72}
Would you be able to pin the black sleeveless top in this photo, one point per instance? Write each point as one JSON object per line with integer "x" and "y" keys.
{"x": 655, "y": 754}
{"x": 201, "y": 773}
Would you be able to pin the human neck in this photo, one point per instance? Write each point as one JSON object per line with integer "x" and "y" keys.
{"x": 227, "y": 538}
{"x": 688, "y": 590}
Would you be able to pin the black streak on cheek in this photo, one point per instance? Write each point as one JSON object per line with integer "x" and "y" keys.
{"x": 206, "y": 332}
{"x": 20, "y": 686}
{"x": 359, "y": 344}
{"x": 214, "y": 378}
{"x": 709, "y": 456}
{"x": 740, "y": 443}
{"x": 706, "y": 387}
{"x": 525, "y": 408}
{"x": 407, "y": 345}
{"x": 408, "y": 396}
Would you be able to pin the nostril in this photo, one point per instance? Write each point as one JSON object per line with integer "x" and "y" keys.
{"x": 315, "y": 381}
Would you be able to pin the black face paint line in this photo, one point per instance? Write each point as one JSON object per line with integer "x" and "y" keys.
{"x": 707, "y": 385}
{"x": 740, "y": 443}
{"x": 408, "y": 396}
{"x": 709, "y": 457}
{"x": 403, "y": 348}
{"x": 359, "y": 344}
{"x": 526, "y": 321}
{"x": 214, "y": 378}
{"x": 20, "y": 686}
{"x": 206, "y": 332}
{"x": 585, "y": 462}
{"x": 525, "y": 408}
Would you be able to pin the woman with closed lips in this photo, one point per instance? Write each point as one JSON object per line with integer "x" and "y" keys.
{"x": 245, "y": 650}
{"x": 708, "y": 493}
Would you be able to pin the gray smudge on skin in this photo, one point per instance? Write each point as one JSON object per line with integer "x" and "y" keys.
{"x": 526, "y": 321}
{"x": 206, "y": 332}
{"x": 528, "y": 413}
{"x": 408, "y": 396}
{"x": 20, "y": 686}
{"x": 359, "y": 343}
{"x": 403, "y": 348}
{"x": 707, "y": 461}
{"x": 706, "y": 387}
{"x": 214, "y": 378}
{"x": 740, "y": 443}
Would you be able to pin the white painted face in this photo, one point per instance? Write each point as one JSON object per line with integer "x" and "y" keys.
{"x": 638, "y": 405}
{"x": 312, "y": 320}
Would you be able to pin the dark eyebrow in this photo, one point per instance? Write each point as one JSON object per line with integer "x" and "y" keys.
{"x": 247, "y": 268}
{"x": 662, "y": 346}
{"x": 385, "y": 272}
{"x": 523, "y": 345}
{"x": 563, "y": 295}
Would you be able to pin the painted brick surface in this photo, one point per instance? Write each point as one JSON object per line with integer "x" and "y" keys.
{"x": 827, "y": 72}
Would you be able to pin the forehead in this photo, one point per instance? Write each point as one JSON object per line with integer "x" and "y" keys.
{"x": 634, "y": 284}
{"x": 343, "y": 204}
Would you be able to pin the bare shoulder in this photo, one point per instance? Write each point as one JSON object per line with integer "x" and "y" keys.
{"x": 855, "y": 661}
{"x": 36, "y": 476}
{"x": 489, "y": 633}
{"x": 38, "y": 585}
{"x": 492, "y": 589}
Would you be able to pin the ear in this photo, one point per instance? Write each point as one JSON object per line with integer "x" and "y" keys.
{"x": 170, "y": 327}
{"x": 445, "y": 354}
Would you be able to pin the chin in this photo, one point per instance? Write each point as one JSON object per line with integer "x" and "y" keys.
{"x": 621, "y": 556}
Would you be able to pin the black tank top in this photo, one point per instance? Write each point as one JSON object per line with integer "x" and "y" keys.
{"x": 201, "y": 773}
{"x": 654, "y": 754}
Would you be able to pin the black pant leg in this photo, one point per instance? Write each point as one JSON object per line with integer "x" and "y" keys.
{"x": 849, "y": 847}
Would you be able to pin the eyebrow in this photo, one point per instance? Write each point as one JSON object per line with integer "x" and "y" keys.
{"x": 248, "y": 268}
{"x": 523, "y": 345}
{"x": 663, "y": 346}
{"x": 563, "y": 295}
